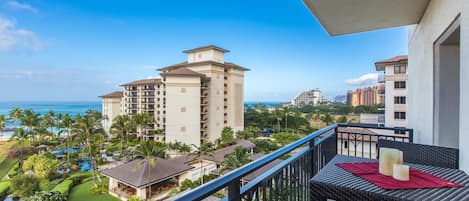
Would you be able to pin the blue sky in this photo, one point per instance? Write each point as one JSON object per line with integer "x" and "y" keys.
{"x": 76, "y": 50}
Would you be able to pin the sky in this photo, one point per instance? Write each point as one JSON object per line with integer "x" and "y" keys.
{"x": 77, "y": 50}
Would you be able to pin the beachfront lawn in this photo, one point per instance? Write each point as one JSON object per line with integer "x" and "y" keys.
{"x": 82, "y": 192}
{"x": 5, "y": 163}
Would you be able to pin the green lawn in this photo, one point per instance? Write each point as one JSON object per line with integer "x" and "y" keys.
{"x": 82, "y": 192}
{"x": 6, "y": 164}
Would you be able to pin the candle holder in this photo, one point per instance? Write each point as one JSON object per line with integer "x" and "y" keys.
{"x": 387, "y": 158}
{"x": 400, "y": 172}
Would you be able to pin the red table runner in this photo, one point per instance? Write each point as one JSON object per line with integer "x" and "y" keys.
{"x": 417, "y": 178}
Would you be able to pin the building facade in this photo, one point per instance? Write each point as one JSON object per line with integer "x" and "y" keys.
{"x": 395, "y": 82}
{"x": 311, "y": 97}
{"x": 368, "y": 96}
{"x": 111, "y": 107}
{"x": 438, "y": 35}
{"x": 194, "y": 100}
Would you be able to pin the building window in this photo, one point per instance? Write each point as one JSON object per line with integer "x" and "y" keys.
{"x": 183, "y": 90}
{"x": 399, "y": 100}
{"x": 183, "y": 129}
{"x": 399, "y": 69}
{"x": 345, "y": 144}
{"x": 399, "y": 115}
{"x": 183, "y": 109}
{"x": 399, "y": 132}
{"x": 399, "y": 84}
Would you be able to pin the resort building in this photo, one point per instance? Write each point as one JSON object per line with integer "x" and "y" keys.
{"x": 137, "y": 178}
{"x": 111, "y": 107}
{"x": 395, "y": 92}
{"x": 311, "y": 97}
{"x": 368, "y": 96}
{"x": 145, "y": 96}
{"x": 193, "y": 101}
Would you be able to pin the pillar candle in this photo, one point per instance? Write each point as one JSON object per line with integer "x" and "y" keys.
{"x": 387, "y": 158}
{"x": 400, "y": 172}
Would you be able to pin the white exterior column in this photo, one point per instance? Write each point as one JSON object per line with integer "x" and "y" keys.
{"x": 112, "y": 183}
{"x": 142, "y": 193}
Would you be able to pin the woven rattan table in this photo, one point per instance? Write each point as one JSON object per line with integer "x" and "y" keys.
{"x": 335, "y": 183}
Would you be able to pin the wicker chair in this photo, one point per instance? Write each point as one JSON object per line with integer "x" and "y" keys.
{"x": 425, "y": 154}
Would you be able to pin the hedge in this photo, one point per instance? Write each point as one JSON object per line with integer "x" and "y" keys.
{"x": 4, "y": 188}
{"x": 64, "y": 187}
{"x": 78, "y": 178}
{"x": 14, "y": 170}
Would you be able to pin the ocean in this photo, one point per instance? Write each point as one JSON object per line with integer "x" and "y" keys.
{"x": 74, "y": 108}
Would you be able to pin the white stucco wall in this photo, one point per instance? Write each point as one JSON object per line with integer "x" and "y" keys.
{"x": 183, "y": 126}
{"x": 111, "y": 107}
{"x": 464, "y": 87}
{"x": 438, "y": 16}
{"x": 390, "y": 93}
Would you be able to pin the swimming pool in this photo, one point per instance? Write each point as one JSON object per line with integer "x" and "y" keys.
{"x": 65, "y": 151}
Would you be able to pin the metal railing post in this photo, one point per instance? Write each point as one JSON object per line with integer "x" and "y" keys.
{"x": 234, "y": 192}
{"x": 411, "y": 135}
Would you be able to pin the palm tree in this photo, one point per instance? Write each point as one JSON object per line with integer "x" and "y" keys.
{"x": 30, "y": 119}
{"x": 141, "y": 121}
{"x": 16, "y": 114}
{"x": 121, "y": 125}
{"x": 286, "y": 111}
{"x": 67, "y": 123}
{"x": 204, "y": 150}
{"x": 327, "y": 119}
{"x": 49, "y": 121}
{"x": 20, "y": 134}
{"x": 235, "y": 160}
{"x": 2, "y": 124}
{"x": 149, "y": 152}
{"x": 278, "y": 116}
{"x": 87, "y": 127}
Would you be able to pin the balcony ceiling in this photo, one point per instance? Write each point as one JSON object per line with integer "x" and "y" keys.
{"x": 340, "y": 17}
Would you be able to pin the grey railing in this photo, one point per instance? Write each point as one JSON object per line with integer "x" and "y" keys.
{"x": 289, "y": 180}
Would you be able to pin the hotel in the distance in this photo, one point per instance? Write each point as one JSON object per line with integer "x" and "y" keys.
{"x": 192, "y": 101}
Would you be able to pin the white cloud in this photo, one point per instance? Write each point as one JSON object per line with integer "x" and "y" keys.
{"x": 367, "y": 79}
{"x": 21, "y": 6}
{"x": 12, "y": 37}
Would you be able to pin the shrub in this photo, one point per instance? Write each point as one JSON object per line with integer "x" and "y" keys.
{"x": 24, "y": 185}
{"x": 41, "y": 165}
{"x": 4, "y": 188}
{"x": 187, "y": 184}
{"x": 99, "y": 190}
{"x": 134, "y": 198}
{"x": 47, "y": 196}
{"x": 13, "y": 171}
{"x": 78, "y": 178}
{"x": 20, "y": 152}
{"x": 64, "y": 187}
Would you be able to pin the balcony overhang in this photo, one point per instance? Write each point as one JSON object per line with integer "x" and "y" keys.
{"x": 340, "y": 17}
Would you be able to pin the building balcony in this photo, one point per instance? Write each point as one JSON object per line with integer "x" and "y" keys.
{"x": 381, "y": 78}
{"x": 293, "y": 177}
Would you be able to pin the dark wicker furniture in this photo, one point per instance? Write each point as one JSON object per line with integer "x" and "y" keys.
{"x": 335, "y": 183}
{"x": 425, "y": 154}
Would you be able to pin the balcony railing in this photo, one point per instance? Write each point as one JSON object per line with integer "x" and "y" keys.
{"x": 289, "y": 180}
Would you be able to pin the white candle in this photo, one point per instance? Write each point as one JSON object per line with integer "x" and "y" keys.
{"x": 387, "y": 158}
{"x": 400, "y": 172}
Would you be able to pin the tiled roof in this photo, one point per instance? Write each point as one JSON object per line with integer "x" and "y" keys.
{"x": 208, "y": 47}
{"x": 116, "y": 94}
{"x": 394, "y": 59}
{"x": 183, "y": 72}
{"x": 218, "y": 155}
{"x": 186, "y": 64}
{"x": 135, "y": 173}
{"x": 142, "y": 82}
{"x": 261, "y": 170}
{"x": 397, "y": 59}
